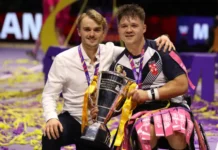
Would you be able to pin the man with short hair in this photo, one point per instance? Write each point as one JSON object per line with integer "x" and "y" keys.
{"x": 160, "y": 80}
{"x": 71, "y": 74}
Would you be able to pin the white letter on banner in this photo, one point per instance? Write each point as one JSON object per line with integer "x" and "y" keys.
{"x": 31, "y": 26}
{"x": 11, "y": 26}
{"x": 200, "y": 32}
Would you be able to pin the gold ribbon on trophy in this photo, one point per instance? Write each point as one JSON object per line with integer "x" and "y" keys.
{"x": 89, "y": 91}
{"x": 127, "y": 109}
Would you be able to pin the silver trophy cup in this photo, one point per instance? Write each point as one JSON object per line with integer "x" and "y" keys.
{"x": 110, "y": 97}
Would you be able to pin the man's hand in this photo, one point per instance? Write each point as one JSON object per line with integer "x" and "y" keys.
{"x": 164, "y": 40}
{"x": 52, "y": 129}
{"x": 139, "y": 96}
{"x": 94, "y": 113}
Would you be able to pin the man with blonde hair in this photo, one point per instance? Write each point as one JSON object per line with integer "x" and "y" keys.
{"x": 71, "y": 74}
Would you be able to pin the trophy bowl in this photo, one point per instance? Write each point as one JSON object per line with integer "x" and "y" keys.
{"x": 111, "y": 89}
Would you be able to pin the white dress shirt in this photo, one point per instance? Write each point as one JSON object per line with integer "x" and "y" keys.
{"x": 67, "y": 76}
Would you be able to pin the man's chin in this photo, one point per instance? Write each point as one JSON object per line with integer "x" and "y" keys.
{"x": 93, "y": 44}
{"x": 128, "y": 42}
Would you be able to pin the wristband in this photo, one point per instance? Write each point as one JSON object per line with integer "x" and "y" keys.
{"x": 152, "y": 94}
{"x": 156, "y": 93}
{"x": 149, "y": 94}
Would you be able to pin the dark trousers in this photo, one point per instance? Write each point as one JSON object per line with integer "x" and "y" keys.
{"x": 70, "y": 135}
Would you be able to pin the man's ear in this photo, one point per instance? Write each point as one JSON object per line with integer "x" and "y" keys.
{"x": 78, "y": 31}
{"x": 144, "y": 28}
{"x": 118, "y": 29}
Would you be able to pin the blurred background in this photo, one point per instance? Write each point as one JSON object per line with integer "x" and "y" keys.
{"x": 187, "y": 22}
{"x": 33, "y": 32}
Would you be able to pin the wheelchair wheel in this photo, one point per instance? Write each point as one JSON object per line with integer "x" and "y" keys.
{"x": 202, "y": 140}
{"x": 204, "y": 136}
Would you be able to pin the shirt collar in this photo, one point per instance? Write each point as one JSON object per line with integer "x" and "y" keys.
{"x": 85, "y": 56}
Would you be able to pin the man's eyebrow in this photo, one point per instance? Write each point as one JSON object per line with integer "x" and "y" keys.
{"x": 90, "y": 27}
{"x": 97, "y": 28}
{"x": 123, "y": 24}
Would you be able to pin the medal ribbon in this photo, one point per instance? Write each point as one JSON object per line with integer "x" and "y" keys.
{"x": 138, "y": 77}
{"x": 85, "y": 66}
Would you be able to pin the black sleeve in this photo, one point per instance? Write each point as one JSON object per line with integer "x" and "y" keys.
{"x": 171, "y": 68}
{"x": 151, "y": 43}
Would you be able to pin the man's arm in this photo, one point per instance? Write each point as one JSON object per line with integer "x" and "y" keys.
{"x": 163, "y": 42}
{"x": 53, "y": 88}
{"x": 177, "y": 80}
{"x": 173, "y": 88}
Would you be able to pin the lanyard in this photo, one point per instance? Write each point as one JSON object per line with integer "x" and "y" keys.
{"x": 138, "y": 77}
{"x": 85, "y": 66}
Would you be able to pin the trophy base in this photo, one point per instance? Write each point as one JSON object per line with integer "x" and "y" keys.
{"x": 96, "y": 136}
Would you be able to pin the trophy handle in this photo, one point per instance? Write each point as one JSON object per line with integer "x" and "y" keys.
{"x": 123, "y": 93}
{"x": 117, "y": 103}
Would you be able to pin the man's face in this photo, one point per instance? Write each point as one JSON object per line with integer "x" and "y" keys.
{"x": 131, "y": 30}
{"x": 90, "y": 32}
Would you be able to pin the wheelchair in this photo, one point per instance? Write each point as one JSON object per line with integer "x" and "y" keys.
{"x": 197, "y": 131}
